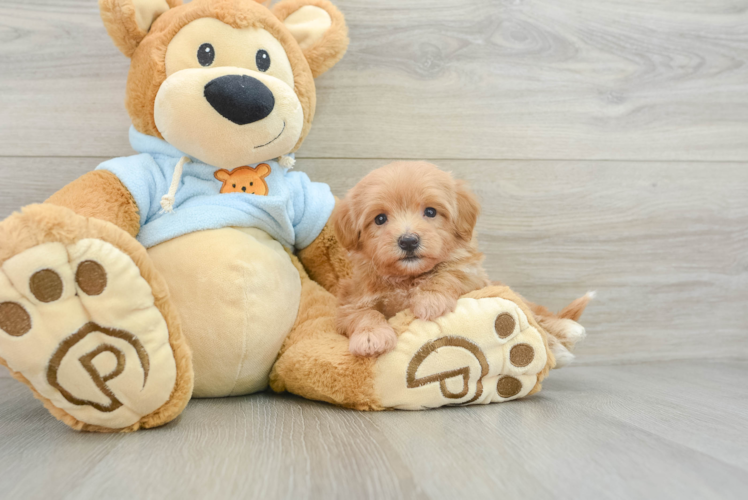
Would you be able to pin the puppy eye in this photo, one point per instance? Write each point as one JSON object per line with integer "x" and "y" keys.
{"x": 251, "y": 183}
{"x": 205, "y": 54}
{"x": 262, "y": 59}
{"x": 233, "y": 185}
{"x": 430, "y": 212}
{"x": 380, "y": 219}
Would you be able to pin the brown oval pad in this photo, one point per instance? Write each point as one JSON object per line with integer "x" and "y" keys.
{"x": 46, "y": 285}
{"x": 504, "y": 325}
{"x": 521, "y": 355}
{"x": 91, "y": 277}
{"x": 14, "y": 320}
{"x": 508, "y": 386}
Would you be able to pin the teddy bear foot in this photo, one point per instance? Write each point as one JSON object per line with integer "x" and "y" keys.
{"x": 89, "y": 330}
{"x": 486, "y": 351}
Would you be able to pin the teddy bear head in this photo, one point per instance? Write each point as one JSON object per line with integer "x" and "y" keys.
{"x": 229, "y": 82}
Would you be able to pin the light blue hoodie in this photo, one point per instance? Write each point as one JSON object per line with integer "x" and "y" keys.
{"x": 294, "y": 211}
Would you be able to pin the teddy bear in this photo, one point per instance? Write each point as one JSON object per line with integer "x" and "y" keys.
{"x": 204, "y": 265}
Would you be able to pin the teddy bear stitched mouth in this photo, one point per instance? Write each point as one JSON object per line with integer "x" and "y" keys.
{"x": 272, "y": 141}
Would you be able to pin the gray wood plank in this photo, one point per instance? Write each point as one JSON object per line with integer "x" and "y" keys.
{"x": 580, "y": 447}
{"x": 659, "y": 430}
{"x": 707, "y": 412}
{"x": 532, "y": 79}
{"x": 665, "y": 245}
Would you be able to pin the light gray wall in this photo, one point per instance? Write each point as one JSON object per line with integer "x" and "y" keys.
{"x": 607, "y": 139}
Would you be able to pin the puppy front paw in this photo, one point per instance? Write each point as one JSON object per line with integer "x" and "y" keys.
{"x": 430, "y": 305}
{"x": 372, "y": 342}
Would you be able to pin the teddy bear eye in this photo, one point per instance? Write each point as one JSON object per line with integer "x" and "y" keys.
{"x": 262, "y": 58}
{"x": 205, "y": 54}
{"x": 380, "y": 219}
{"x": 429, "y": 212}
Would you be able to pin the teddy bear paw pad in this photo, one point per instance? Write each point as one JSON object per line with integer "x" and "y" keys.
{"x": 486, "y": 351}
{"x": 79, "y": 322}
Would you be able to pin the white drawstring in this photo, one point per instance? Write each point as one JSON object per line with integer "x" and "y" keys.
{"x": 167, "y": 200}
{"x": 286, "y": 161}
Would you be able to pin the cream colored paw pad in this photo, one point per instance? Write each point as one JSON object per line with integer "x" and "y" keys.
{"x": 80, "y": 323}
{"x": 485, "y": 351}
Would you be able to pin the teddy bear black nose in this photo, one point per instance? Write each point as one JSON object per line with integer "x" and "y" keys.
{"x": 409, "y": 242}
{"x": 240, "y": 98}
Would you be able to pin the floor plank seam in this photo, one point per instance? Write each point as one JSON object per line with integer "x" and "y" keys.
{"x": 438, "y": 159}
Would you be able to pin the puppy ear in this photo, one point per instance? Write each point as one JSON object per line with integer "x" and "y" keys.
{"x": 319, "y": 28}
{"x": 468, "y": 210}
{"x": 345, "y": 225}
{"x": 128, "y": 21}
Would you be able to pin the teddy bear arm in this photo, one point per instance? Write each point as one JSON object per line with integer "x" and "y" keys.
{"x": 325, "y": 260}
{"x": 102, "y": 195}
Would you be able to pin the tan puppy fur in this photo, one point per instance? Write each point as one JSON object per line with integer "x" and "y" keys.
{"x": 408, "y": 228}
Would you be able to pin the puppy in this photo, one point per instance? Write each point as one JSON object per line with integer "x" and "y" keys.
{"x": 408, "y": 228}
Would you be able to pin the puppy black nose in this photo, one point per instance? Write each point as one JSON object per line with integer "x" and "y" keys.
{"x": 240, "y": 98}
{"x": 409, "y": 242}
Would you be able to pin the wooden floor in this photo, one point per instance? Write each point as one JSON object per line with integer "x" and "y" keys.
{"x": 608, "y": 143}
{"x": 655, "y": 430}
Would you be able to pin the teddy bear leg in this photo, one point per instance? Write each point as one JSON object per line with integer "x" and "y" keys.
{"x": 86, "y": 322}
{"x": 490, "y": 349}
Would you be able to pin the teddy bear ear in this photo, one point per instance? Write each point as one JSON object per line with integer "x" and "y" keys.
{"x": 319, "y": 28}
{"x": 222, "y": 174}
{"x": 263, "y": 169}
{"x": 128, "y": 21}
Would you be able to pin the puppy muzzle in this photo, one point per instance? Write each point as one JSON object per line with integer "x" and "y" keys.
{"x": 409, "y": 242}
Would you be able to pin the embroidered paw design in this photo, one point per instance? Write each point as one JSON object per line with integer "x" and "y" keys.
{"x": 80, "y": 324}
{"x": 244, "y": 179}
{"x": 412, "y": 379}
{"x": 485, "y": 351}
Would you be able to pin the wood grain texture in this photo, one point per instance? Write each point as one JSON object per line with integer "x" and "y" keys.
{"x": 527, "y": 79}
{"x": 665, "y": 245}
{"x": 669, "y": 430}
